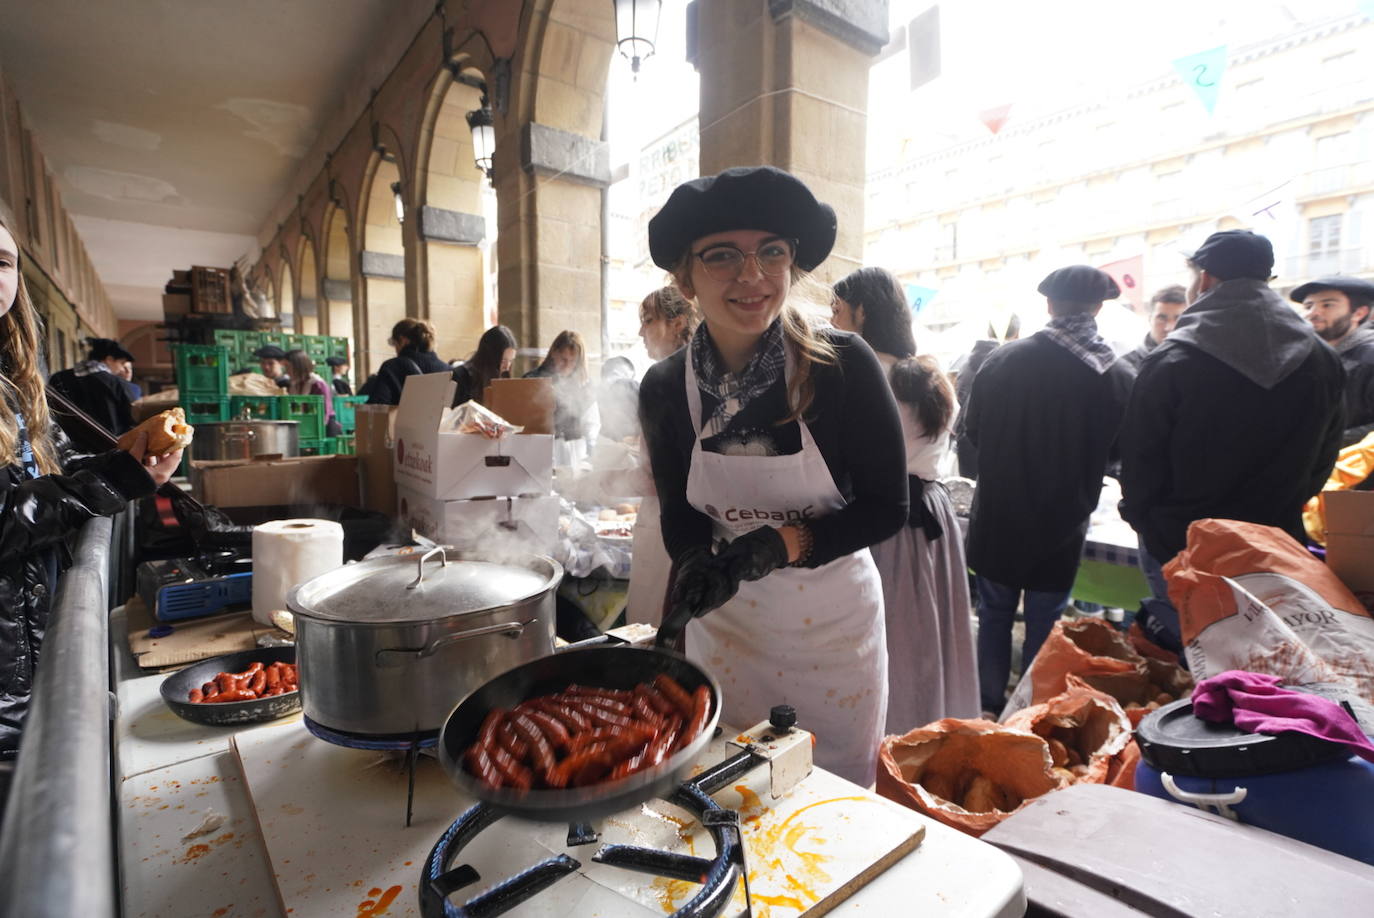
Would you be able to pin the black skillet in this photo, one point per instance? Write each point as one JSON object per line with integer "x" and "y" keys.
{"x": 176, "y": 688}
{"x": 616, "y": 667}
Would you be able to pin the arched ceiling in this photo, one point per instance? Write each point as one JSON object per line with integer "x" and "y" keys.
{"x": 173, "y": 128}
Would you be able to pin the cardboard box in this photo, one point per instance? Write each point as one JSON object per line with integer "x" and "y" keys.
{"x": 447, "y": 465}
{"x": 528, "y": 403}
{"x": 492, "y": 525}
{"x": 329, "y": 480}
{"x": 374, "y": 443}
{"x": 1350, "y": 538}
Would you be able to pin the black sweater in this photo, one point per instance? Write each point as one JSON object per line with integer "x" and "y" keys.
{"x": 853, "y": 420}
{"x": 391, "y": 375}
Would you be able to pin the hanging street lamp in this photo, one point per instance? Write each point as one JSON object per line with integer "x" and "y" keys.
{"x": 636, "y": 28}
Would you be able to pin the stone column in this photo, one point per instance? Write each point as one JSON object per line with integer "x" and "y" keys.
{"x": 786, "y": 83}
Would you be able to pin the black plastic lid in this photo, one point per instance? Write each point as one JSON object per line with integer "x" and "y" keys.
{"x": 1172, "y": 739}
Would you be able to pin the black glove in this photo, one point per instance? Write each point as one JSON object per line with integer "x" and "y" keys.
{"x": 753, "y": 556}
{"x": 701, "y": 584}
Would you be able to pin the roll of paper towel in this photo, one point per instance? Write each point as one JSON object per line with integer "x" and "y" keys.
{"x": 287, "y": 553}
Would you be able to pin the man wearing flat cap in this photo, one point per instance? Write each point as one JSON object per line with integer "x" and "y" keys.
{"x": 1043, "y": 415}
{"x": 1338, "y": 308}
{"x": 272, "y": 360}
{"x": 1237, "y": 415}
{"x": 339, "y": 366}
{"x": 99, "y": 385}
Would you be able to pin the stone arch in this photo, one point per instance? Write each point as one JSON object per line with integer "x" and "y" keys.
{"x": 286, "y": 296}
{"x": 336, "y": 300}
{"x": 308, "y": 284}
{"x": 382, "y": 261}
{"x": 550, "y": 169}
{"x": 452, "y": 227}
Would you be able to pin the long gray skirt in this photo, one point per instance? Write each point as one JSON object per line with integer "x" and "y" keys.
{"x": 932, "y": 671}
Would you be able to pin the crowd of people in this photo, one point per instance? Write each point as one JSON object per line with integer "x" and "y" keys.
{"x": 795, "y": 533}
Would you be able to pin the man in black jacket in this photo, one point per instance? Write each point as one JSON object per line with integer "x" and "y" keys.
{"x": 1043, "y": 415}
{"x": 1236, "y": 416}
{"x": 97, "y": 386}
{"x": 1165, "y": 308}
{"x": 1338, "y": 308}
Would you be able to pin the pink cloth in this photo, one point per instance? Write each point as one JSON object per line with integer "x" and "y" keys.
{"x": 1255, "y": 702}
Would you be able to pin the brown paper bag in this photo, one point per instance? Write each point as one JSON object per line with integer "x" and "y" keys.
{"x": 1084, "y": 729}
{"x": 938, "y": 769}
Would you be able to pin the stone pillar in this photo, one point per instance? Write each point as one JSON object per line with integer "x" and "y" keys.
{"x": 786, "y": 83}
{"x": 549, "y": 172}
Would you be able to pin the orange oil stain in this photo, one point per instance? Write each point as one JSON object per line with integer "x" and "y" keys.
{"x": 193, "y": 853}
{"x": 378, "y": 906}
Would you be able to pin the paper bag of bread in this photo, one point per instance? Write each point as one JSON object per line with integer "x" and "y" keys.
{"x": 968, "y": 774}
{"x": 472, "y": 418}
{"x": 167, "y": 433}
{"x": 1084, "y": 730}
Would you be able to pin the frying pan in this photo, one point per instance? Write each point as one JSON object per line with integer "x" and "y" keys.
{"x": 617, "y": 667}
{"x": 177, "y": 687}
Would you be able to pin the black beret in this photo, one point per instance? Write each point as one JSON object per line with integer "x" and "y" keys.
{"x": 102, "y": 348}
{"x": 1079, "y": 284}
{"x": 1230, "y": 254}
{"x": 1350, "y": 286}
{"x": 336, "y": 361}
{"x": 744, "y": 198}
{"x": 270, "y": 352}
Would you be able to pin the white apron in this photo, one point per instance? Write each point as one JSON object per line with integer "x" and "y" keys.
{"x": 811, "y": 638}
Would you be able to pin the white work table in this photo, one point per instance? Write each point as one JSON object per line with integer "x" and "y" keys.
{"x": 171, "y": 774}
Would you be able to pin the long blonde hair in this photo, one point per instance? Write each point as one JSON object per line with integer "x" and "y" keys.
{"x": 21, "y": 381}
{"x": 805, "y": 296}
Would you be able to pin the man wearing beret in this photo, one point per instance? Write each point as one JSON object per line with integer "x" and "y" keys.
{"x": 1043, "y": 415}
{"x": 339, "y": 366}
{"x": 98, "y": 385}
{"x": 273, "y": 362}
{"x": 1237, "y": 415}
{"x": 1338, "y": 308}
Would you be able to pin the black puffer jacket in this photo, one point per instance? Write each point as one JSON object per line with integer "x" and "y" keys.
{"x": 37, "y": 517}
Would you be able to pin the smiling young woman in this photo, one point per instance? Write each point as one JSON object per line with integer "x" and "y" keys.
{"x": 764, "y": 417}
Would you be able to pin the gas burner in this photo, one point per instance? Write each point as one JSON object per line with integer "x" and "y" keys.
{"x": 786, "y": 752}
{"x": 409, "y": 743}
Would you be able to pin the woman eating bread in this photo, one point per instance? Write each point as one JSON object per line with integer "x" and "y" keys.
{"x": 48, "y": 494}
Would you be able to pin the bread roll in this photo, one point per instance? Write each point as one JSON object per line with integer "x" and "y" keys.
{"x": 167, "y": 433}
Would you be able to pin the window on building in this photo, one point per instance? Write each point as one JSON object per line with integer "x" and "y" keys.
{"x": 1324, "y": 244}
{"x": 948, "y": 249}
{"x": 1332, "y": 163}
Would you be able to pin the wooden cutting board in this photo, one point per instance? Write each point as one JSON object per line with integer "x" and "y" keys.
{"x": 332, "y": 822}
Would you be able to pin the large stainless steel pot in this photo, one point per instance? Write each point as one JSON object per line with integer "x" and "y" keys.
{"x": 389, "y": 646}
{"x": 245, "y": 439}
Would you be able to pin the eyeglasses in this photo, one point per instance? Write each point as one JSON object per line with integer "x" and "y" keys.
{"x": 726, "y": 262}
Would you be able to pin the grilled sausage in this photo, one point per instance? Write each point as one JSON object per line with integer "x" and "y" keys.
{"x": 674, "y": 693}
{"x": 701, "y": 712}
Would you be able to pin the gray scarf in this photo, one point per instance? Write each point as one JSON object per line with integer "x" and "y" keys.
{"x": 1248, "y": 327}
{"x": 1078, "y": 335}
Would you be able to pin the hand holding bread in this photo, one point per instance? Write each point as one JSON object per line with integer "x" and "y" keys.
{"x": 167, "y": 433}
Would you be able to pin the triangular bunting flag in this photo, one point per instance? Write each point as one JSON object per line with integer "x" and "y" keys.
{"x": 994, "y": 118}
{"x": 1127, "y": 274}
{"x": 919, "y": 297}
{"x": 1202, "y": 71}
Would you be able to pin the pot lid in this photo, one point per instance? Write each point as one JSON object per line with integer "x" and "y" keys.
{"x": 380, "y": 591}
{"x": 1173, "y": 739}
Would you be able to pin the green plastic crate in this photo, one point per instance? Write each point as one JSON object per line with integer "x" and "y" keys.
{"x": 339, "y": 347}
{"x": 345, "y": 409}
{"x": 277, "y": 338}
{"x": 343, "y": 446}
{"x": 317, "y": 347}
{"x": 201, "y": 370}
{"x": 254, "y": 407}
{"x": 324, "y": 446}
{"x": 307, "y": 411}
{"x": 205, "y": 410}
{"x": 295, "y": 342}
{"x": 230, "y": 338}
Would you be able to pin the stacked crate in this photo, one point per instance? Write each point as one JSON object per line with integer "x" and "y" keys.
{"x": 202, "y": 375}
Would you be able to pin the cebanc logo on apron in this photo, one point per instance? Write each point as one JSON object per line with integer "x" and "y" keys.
{"x": 758, "y": 514}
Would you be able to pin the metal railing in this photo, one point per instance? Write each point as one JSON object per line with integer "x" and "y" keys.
{"x": 57, "y": 848}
